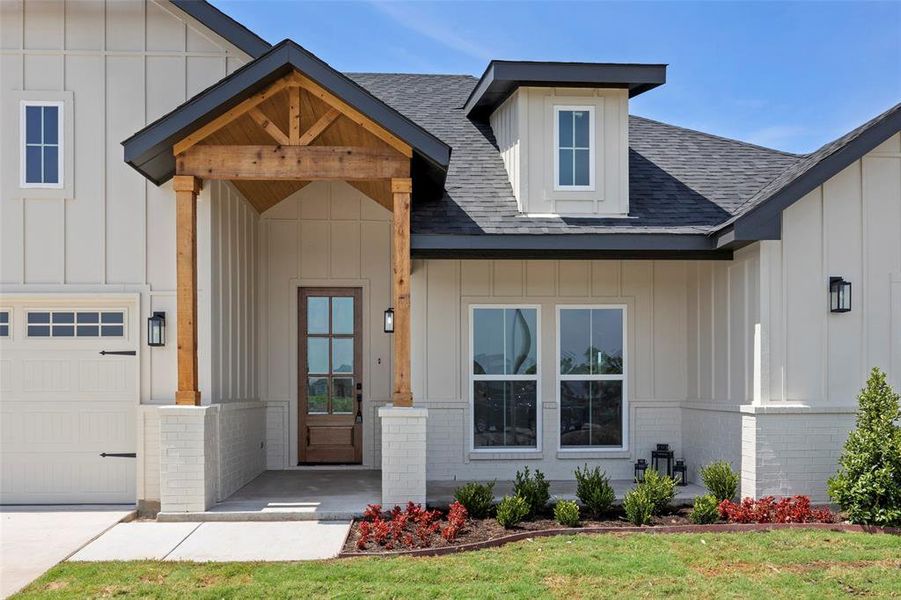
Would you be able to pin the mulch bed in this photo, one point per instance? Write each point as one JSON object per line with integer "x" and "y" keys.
{"x": 487, "y": 533}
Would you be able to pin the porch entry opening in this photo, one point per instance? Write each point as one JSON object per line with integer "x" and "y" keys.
{"x": 330, "y": 390}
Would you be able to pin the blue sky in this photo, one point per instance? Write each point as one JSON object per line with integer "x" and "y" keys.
{"x": 789, "y": 75}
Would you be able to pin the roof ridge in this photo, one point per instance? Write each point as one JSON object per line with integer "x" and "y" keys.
{"x": 721, "y": 137}
{"x": 413, "y": 74}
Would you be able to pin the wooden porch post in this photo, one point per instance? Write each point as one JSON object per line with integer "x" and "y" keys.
{"x": 401, "y": 190}
{"x": 186, "y": 189}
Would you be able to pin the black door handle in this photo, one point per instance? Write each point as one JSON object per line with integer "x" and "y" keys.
{"x": 118, "y": 352}
{"x": 118, "y": 455}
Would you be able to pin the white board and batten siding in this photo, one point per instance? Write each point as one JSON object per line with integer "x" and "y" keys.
{"x": 116, "y": 66}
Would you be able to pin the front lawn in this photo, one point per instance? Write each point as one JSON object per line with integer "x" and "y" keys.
{"x": 778, "y": 564}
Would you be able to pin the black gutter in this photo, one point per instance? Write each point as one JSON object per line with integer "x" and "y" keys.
{"x": 223, "y": 25}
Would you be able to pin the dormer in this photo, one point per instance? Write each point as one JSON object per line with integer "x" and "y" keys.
{"x": 563, "y": 131}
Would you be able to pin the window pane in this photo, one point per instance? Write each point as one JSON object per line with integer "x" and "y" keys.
{"x": 343, "y": 315}
{"x": 32, "y": 124}
{"x": 111, "y": 317}
{"x": 520, "y": 343}
{"x": 581, "y": 122}
{"x": 582, "y": 174}
{"x": 4, "y": 317}
{"x": 317, "y": 395}
{"x": 575, "y": 341}
{"x": 317, "y": 315}
{"x": 51, "y": 125}
{"x": 88, "y": 317}
{"x": 63, "y": 330}
{"x": 342, "y": 355}
{"x": 51, "y": 166}
{"x": 4, "y": 330}
{"x": 33, "y": 171}
{"x": 505, "y": 414}
{"x": 565, "y": 128}
{"x": 591, "y": 413}
{"x": 342, "y": 395}
{"x": 39, "y": 317}
{"x": 63, "y": 317}
{"x": 38, "y": 330}
{"x": 607, "y": 341}
{"x": 317, "y": 355}
{"x": 87, "y": 331}
{"x": 111, "y": 331}
{"x": 488, "y": 341}
{"x": 565, "y": 167}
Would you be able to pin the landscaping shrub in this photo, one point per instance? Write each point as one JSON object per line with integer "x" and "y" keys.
{"x": 535, "y": 490}
{"x": 795, "y": 509}
{"x": 511, "y": 510}
{"x": 478, "y": 498}
{"x": 410, "y": 528}
{"x": 705, "y": 511}
{"x": 661, "y": 489}
{"x": 720, "y": 480}
{"x": 566, "y": 512}
{"x": 593, "y": 490}
{"x": 638, "y": 505}
{"x": 868, "y": 482}
{"x": 456, "y": 519}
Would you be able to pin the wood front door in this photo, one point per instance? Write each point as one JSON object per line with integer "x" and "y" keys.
{"x": 329, "y": 378}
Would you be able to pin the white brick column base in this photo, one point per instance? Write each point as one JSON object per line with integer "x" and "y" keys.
{"x": 189, "y": 458}
{"x": 403, "y": 455}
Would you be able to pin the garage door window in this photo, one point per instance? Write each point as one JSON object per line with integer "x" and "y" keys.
{"x": 4, "y": 323}
{"x": 81, "y": 324}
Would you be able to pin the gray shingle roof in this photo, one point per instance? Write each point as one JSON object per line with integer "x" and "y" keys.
{"x": 680, "y": 180}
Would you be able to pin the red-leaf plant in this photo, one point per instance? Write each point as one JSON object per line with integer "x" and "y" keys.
{"x": 767, "y": 509}
{"x": 408, "y": 528}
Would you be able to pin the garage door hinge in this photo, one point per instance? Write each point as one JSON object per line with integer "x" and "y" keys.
{"x": 118, "y": 455}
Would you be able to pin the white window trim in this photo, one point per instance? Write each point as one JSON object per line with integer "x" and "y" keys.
{"x": 61, "y": 135}
{"x": 99, "y": 311}
{"x": 624, "y": 378}
{"x": 537, "y": 378}
{"x": 591, "y": 149}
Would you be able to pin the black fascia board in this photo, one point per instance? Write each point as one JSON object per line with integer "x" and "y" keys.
{"x": 149, "y": 150}
{"x": 758, "y": 223}
{"x": 501, "y": 78}
{"x": 574, "y": 245}
{"x": 224, "y": 26}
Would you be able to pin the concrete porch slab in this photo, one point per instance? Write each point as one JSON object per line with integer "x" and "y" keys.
{"x": 232, "y": 542}
{"x": 138, "y": 540}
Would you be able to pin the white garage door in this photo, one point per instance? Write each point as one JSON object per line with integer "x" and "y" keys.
{"x": 63, "y": 403}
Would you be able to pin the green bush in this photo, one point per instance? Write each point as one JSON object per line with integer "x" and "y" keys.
{"x": 639, "y": 505}
{"x": 868, "y": 482}
{"x": 720, "y": 480}
{"x": 511, "y": 510}
{"x": 535, "y": 490}
{"x": 476, "y": 497}
{"x": 566, "y": 512}
{"x": 706, "y": 510}
{"x": 661, "y": 489}
{"x": 593, "y": 490}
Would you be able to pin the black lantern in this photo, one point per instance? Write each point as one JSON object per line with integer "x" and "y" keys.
{"x": 640, "y": 467}
{"x": 839, "y": 295}
{"x": 663, "y": 453}
{"x": 156, "y": 329}
{"x": 680, "y": 472}
{"x": 389, "y": 320}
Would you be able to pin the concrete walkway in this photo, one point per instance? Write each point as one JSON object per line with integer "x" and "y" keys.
{"x": 35, "y": 538}
{"x": 218, "y": 541}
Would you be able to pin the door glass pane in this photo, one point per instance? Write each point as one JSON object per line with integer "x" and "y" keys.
{"x": 317, "y": 355}
{"x": 607, "y": 341}
{"x": 342, "y": 355}
{"x": 111, "y": 331}
{"x": 63, "y": 317}
{"x": 317, "y": 315}
{"x": 317, "y": 395}
{"x": 88, "y": 317}
{"x": 343, "y": 315}
{"x": 111, "y": 317}
{"x": 63, "y": 330}
{"x": 342, "y": 395}
{"x": 575, "y": 341}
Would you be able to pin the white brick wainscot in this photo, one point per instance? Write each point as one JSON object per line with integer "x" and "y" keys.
{"x": 403, "y": 454}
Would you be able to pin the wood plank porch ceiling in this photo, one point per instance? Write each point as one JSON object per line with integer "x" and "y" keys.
{"x": 295, "y": 111}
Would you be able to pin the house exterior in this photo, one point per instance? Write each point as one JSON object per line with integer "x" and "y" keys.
{"x": 568, "y": 283}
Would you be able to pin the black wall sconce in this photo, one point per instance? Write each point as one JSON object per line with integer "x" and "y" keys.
{"x": 389, "y": 320}
{"x": 839, "y": 295}
{"x": 156, "y": 329}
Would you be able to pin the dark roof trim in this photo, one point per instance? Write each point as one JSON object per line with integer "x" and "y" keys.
{"x": 758, "y": 223}
{"x": 224, "y": 26}
{"x": 568, "y": 246}
{"x": 501, "y": 78}
{"x": 150, "y": 150}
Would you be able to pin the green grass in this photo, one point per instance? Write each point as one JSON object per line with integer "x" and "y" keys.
{"x": 786, "y": 563}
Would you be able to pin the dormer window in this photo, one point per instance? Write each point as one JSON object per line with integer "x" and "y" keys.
{"x": 574, "y": 151}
